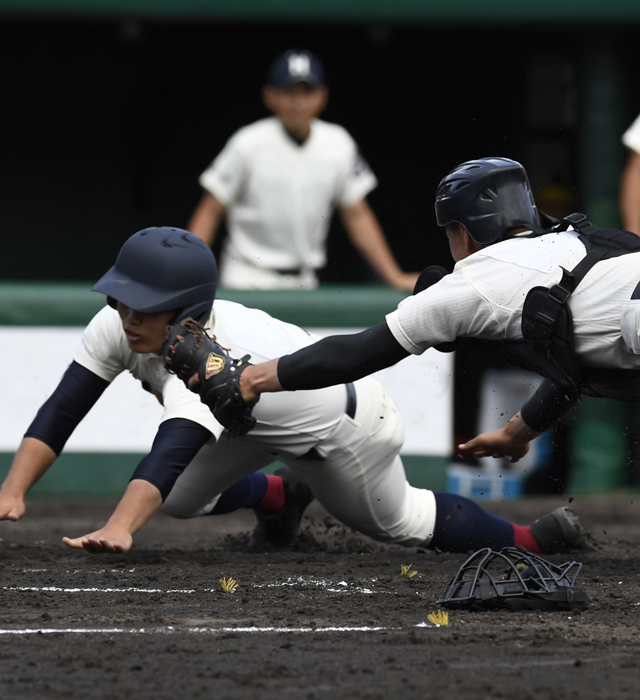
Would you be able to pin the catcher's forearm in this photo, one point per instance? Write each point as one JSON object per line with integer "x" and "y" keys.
{"x": 31, "y": 461}
{"x": 339, "y": 359}
{"x": 518, "y": 431}
{"x": 333, "y": 360}
{"x": 547, "y": 405}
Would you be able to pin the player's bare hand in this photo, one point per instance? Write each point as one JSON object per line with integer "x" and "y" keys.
{"x": 496, "y": 444}
{"x": 101, "y": 541}
{"x": 11, "y": 507}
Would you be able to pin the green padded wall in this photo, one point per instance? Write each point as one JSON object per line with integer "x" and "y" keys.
{"x": 353, "y": 10}
{"x": 74, "y": 304}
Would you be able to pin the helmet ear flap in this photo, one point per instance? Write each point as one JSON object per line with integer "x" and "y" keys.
{"x": 199, "y": 312}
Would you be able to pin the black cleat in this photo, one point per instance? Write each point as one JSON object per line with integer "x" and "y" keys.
{"x": 561, "y": 531}
{"x": 279, "y": 530}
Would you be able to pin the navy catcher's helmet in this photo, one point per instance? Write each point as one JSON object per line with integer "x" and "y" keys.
{"x": 163, "y": 268}
{"x": 515, "y": 580}
{"x": 489, "y": 197}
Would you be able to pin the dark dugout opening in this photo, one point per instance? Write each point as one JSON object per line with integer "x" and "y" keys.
{"x": 107, "y": 125}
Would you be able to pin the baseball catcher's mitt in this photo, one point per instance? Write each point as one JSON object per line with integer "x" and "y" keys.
{"x": 188, "y": 350}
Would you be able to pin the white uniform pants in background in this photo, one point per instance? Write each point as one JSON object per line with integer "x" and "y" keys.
{"x": 241, "y": 274}
{"x": 360, "y": 479}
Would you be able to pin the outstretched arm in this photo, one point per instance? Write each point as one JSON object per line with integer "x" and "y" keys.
{"x": 547, "y": 405}
{"x": 31, "y": 461}
{"x": 336, "y": 359}
{"x": 58, "y": 417}
{"x": 366, "y": 234}
{"x": 176, "y": 444}
{"x": 139, "y": 503}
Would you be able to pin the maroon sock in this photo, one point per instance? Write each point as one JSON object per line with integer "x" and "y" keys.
{"x": 275, "y": 497}
{"x": 522, "y": 535}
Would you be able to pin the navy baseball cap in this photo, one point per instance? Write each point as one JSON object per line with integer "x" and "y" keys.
{"x": 296, "y": 66}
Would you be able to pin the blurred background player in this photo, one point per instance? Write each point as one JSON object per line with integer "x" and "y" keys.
{"x": 279, "y": 180}
{"x": 630, "y": 185}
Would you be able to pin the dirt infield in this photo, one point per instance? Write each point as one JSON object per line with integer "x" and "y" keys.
{"x": 331, "y": 619}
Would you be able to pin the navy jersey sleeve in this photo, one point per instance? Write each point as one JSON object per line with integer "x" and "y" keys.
{"x": 58, "y": 417}
{"x": 339, "y": 359}
{"x": 177, "y": 442}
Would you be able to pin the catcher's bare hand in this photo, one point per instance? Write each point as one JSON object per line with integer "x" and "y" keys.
{"x": 189, "y": 352}
{"x": 511, "y": 441}
{"x": 496, "y": 444}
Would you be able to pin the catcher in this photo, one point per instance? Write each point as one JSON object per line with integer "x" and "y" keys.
{"x": 559, "y": 298}
{"x": 341, "y": 443}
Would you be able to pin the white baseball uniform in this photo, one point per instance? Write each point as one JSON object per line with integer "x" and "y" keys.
{"x": 280, "y": 196}
{"x": 351, "y": 464}
{"x": 484, "y": 296}
{"x": 631, "y": 137}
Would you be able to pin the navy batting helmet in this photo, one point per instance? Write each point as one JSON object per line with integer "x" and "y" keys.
{"x": 163, "y": 268}
{"x": 489, "y": 197}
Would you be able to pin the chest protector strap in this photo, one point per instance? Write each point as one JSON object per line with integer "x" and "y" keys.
{"x": 548, "y": 345}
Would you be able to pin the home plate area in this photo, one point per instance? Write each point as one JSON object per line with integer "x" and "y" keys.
{"x": 191, "y": 612}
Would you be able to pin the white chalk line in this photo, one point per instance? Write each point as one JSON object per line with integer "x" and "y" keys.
{"x": 172, "y": 629}
{"x": 58, "y": 589}
{"x": 329, "y": 586}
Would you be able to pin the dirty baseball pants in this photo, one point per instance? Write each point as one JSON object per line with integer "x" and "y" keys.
{"x": 356, "y": 474}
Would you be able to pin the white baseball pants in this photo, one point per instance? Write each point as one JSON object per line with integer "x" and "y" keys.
{"x": 360, "y": 481}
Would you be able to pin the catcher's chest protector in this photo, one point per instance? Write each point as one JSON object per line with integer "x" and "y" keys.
{"x": 548, "y": 346}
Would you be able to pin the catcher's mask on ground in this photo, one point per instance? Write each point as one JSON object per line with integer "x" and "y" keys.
{"x": 516, "y": 580}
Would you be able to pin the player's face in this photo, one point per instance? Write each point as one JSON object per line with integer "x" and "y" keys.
{"x": 145, "y": 332}
{"x": 297, "y": 106}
